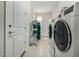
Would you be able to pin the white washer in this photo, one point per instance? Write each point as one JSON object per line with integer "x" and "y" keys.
{"x": 66, "y": 33}
{"x": 51, "y": 39}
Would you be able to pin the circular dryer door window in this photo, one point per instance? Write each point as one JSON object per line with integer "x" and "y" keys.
{"x": 50, "y": 31}
{"x": 62, "y": 35}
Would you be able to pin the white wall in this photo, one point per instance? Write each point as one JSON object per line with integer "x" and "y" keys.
{"x": 60, "y": 6}
{"x": 1, "y": 29}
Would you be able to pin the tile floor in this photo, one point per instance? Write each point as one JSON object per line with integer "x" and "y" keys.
{"x": 41, "y": 50}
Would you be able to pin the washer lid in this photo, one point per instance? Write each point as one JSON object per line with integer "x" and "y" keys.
{"x": 50, "y": 31}
{"x": 62, "y": 35}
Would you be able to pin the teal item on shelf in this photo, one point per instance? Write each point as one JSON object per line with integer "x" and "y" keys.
{"x": 37, "y": 29}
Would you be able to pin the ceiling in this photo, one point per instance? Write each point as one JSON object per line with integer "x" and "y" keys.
{"x": 44, "y": 6}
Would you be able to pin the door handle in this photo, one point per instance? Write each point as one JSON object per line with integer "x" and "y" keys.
{"x": 10, "y": 32}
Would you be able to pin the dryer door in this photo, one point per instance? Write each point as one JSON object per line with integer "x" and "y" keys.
{"x": 50, "y": 31}
{"x": 62, "y": 35}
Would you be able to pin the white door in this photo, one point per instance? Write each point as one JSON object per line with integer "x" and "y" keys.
{"x": 16, "y": 28}
{"x": 19, "y": 25}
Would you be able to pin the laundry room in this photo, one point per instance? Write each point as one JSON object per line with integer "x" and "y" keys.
{"x": 39, "y": 28}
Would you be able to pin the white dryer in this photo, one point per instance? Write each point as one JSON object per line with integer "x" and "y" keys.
{"x": 66, "y": 33}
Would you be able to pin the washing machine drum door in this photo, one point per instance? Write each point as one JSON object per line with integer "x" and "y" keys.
{"x": 50, "y": 31}
{"x": 62, "y": 36}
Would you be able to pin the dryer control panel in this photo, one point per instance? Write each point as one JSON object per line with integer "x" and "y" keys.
{"x": 69, "y": 10}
